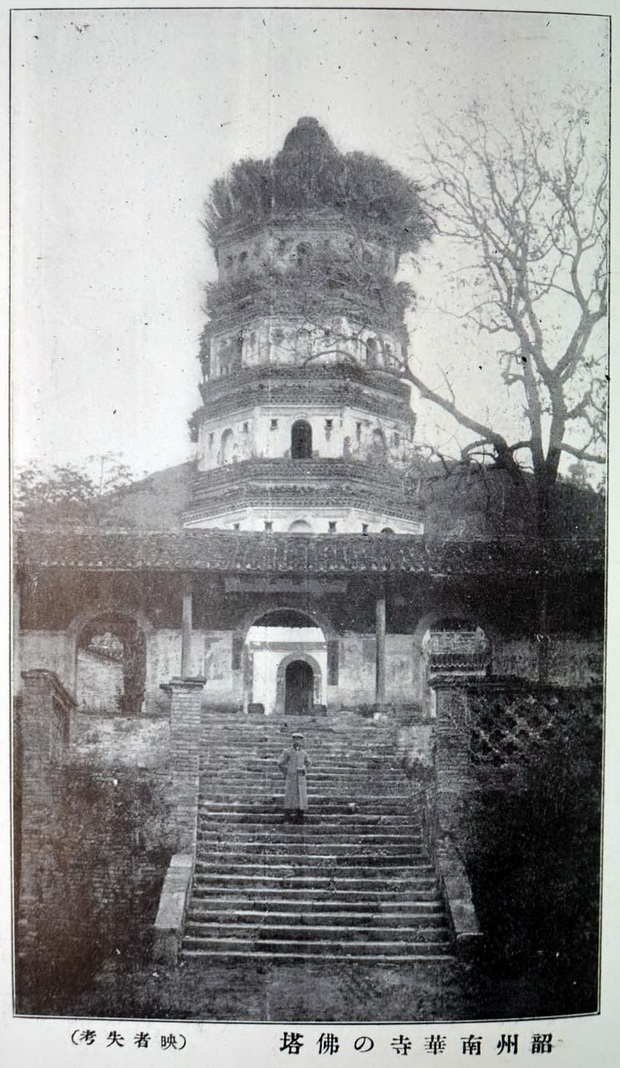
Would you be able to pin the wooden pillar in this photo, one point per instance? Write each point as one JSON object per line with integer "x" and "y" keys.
{"x": 380, "y": 650}
{"x": 186, "y": 628}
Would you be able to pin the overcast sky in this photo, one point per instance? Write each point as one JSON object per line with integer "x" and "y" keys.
{"x": 121, "y": 121}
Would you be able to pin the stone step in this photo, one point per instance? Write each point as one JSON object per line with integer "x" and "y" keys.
{"x": 346, "y": 759}
{"x": 271, "y": 727}
{"x": 303, "y": 910}
{"x": 343, "y": 815}
{"x": 238, "y": 835}
{"x": 399, "y": 883}
{"x": 301, "y": 849}
{"x": 332, "y": 948}
{"x": 272, "y": 786}
{"x": 339, "y": 798}
{"x": 301, "y": 954}
{"x": 325, "y": 784}
{"x": 327, "y": 823}
{"x": 346, "y": 749}
{"x": 271, "y": 771}
{"x": 293, "y": 848}
{"x": 308, "y": 862}
{"x": 371, "y": 804}
{"x": 425, "y": 894}
{"x": 336, "y": 724}
{"x": 219, "y": 773}
{"x": 311, "y": 932}
{"x": 283, "y": 862}
{"x": 348, "y": 752}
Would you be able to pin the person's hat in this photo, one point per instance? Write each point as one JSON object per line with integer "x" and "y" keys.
{"x": 297, "y": 735}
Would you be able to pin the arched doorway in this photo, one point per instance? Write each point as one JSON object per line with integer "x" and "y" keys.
{"x": 273, "y": 642}
{"x": 111, "y": 664}
{"x": 301, "y": 440}
{"x": 298, "y": 688}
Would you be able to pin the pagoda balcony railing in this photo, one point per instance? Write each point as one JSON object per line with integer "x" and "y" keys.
{"x": 310, "y": 471}
{"x": 230, "y": 312}
{"x": 317, "y": 394}
{"x": 308, "y": 498}
{"x": 373, "y": 378}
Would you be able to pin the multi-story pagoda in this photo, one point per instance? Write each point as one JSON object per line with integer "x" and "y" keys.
{"x": 306, "y": 423}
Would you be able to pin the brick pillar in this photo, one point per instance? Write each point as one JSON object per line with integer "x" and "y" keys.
{"x": 454, "y": 787}
{"x": 452, "y": 756}
{"x": 41, "y": 744}
{"x": 185, "y": 723}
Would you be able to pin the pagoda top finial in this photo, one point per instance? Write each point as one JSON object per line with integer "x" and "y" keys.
{"x": 307, "y": 134}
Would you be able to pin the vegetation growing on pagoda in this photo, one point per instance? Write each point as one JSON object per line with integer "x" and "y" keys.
{"x": 374, "y": 200}
{"x": 353, "y": 286}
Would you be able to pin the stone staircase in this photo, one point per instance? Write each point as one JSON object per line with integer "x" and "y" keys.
{"x": 354, "y": 882}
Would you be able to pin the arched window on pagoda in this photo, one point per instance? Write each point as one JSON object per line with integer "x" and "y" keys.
{"x": 372, "y": 352}
{"x": 302, "y": 343}
{"x": 303, "y": 252}
{"x": 226, "y": 447}
{"x": 379, "y": 446}
{"x": 301, "y": 440}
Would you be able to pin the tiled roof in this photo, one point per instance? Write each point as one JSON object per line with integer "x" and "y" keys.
{"x": 238, "y": 551}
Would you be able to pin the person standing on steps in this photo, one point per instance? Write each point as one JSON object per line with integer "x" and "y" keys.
{"x": 294, "y": 764}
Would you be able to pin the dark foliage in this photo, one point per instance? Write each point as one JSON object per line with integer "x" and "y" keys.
{"x": 310, "y": 176}
{"x": 103, "y": 865}
{"x": 326, "y": 283}
{"x": 533, "y": 854}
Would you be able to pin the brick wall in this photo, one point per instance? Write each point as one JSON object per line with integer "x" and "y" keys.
{"x": 571, "y": 661}
{"x": 119, "y": 741}
{"x": 92, "y": 847}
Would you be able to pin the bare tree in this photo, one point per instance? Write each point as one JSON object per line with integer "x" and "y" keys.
{"x": 530, "y": 203}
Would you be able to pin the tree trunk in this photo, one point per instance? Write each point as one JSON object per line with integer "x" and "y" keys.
{"x": 542, "y": 637}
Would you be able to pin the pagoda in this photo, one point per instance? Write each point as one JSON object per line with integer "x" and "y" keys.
{"x": 306, "y": 424}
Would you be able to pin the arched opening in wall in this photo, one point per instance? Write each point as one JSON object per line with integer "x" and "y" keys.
{"x": 303, "y": 253}
{"x": 300, "y": 526}
{"x": 372, "y": 352}
{"x": 301, "y": 440}
{"x": 378, "y": 446}
{"x": 298, "y": 688}
{"x": 111, "y": 664}
{"x": 278, "y": 639}
{"x": 302, "y": 343}
{"x": 226, "y": 447}
{"x": 456, "y": 646}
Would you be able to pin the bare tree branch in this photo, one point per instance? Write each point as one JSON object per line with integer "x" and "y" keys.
{"x": 531, "y": 203}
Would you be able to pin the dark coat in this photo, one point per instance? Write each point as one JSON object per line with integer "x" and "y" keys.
{"x": 294, "y": 763}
